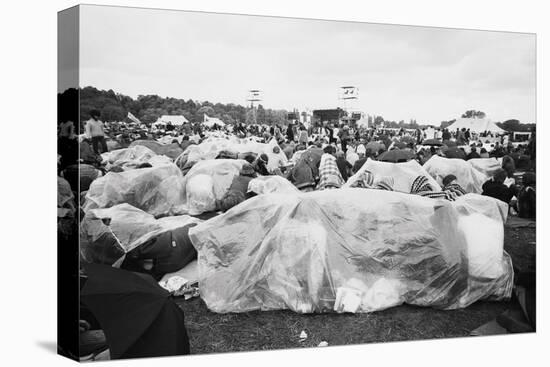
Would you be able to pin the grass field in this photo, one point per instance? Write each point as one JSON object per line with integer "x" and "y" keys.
{"x": 217, "y": 333}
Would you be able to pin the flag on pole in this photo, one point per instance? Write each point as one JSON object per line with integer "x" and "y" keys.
{"x": 133, "y": 118}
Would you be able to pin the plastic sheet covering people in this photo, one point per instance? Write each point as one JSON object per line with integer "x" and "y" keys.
{"x": 66, "y": 209}
{"x": 331, "y": 250}
{"x": 139, "y": 317}
{"x": 271, "y": 184}
{"x": 403, "y": 174}
{"x": 213, "y": 146}
{"x": 467, "y": 176}
{"x": 171, "y": 150}
{"x": 487, "y": 166}
{"x": 132, "y": 157}
{"x": 107, "y": 235}
{"x": 158, "y": 191}
{"x": 208, "y": 181}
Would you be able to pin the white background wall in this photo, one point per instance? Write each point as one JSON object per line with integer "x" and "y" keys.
{"x": 28, "y": 87}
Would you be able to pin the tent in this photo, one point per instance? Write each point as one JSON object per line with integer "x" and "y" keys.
{"x": 210, "y": 121}
{"x": 476, "y": 125}
{"x": 173, "y": 119}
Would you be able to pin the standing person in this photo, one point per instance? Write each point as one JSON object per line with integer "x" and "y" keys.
{"x": 290, "y": 132}
{"x": 302, "y": 138}
{"x": 344, "y": 137}
{"x": 95, "y": 131}
{"x": 467, "y": 136}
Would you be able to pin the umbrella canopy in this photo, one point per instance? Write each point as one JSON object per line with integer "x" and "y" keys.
{"x": 434, "y": 142}
{"x": 454, "y": 152}
{"x": 396, "y": 155}
{"x": 407, "y": 139}
{"x": 449, "y": 143}
{"x": 375, "y": 146}
{"x": 138, "y": 317}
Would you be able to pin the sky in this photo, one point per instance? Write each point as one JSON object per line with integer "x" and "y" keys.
{"x": 401, "y": 72}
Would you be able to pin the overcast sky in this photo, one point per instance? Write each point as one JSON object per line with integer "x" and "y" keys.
{"x": 429, "y": 74}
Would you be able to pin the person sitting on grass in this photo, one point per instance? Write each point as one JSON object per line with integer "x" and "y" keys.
{"x": 496, "y": 188}
{"x": 483, "y": 153}
{"x": 451, "y": 184}
{"x": 343, "y": 165}
{"x": 509, "y": 166}
{"x": 473, "y": 154}
{"x": 451, "y": 190}
{"x": 329, "y": 174}
{"x": 527, "y": 197}
{"x": 360, "y": 162}
{"x": 260, "y": 165}
{"x": 240, "y": 182}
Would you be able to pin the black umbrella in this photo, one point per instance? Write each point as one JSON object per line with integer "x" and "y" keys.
{"x": 454, "y": 152}
{"x": 396, "y": 155}
{"x": 138, "y": 317}
{"x": 434, "y": 142}
{"x": 450, "y": 143}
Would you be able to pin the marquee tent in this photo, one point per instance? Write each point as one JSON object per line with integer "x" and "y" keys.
{"x": 476, "y": 125}
{"x": 173, "y": 119}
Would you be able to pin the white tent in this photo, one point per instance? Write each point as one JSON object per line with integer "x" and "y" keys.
{"x": 476, "y": 125}
{"x": 210, "y": 121}
{"x": 173, "y": 119}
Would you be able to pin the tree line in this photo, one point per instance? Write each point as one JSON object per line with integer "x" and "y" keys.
{"x": 147, "y": 108}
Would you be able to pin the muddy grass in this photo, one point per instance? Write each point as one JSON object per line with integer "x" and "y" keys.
{"x": 217, "y": 333}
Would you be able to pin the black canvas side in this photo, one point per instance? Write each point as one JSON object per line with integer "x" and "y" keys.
{"x": 67, "y": 232}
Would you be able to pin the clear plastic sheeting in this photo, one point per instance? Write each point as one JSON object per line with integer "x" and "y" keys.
{"x": 208, "y": 181}
{"x": 211, "y": 147}
{"x": 467, "y": 176}
{"x": 171, "y": 150}
{"x": 351, "y": 250}
{"x": 130, "y": 158}
{"x": 272, "y": 184}
{"x": 487, "y": 166}
{"x": 108, "y": 234}
{"x": 403, "y": 174}
{"x": 158, "y": 191}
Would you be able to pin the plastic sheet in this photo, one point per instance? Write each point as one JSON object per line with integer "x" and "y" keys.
{"x": 215, "y": 177}
{"x": 170, "y": 150}
{"x": 272, "y": 184}
{"x": 487, "y": 166}
{"x": 109, "y": 234}
{"x": 403, "y": 174}
{"x": 467, "y": 176}
{"x": 211, "y": 147}
{"x": 130, "y": 158}
{"x": 350, "y": 250}
{"x": 158, "y": 191}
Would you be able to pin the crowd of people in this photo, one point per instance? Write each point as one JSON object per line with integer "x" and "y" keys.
{"x": 320, "y": 156}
